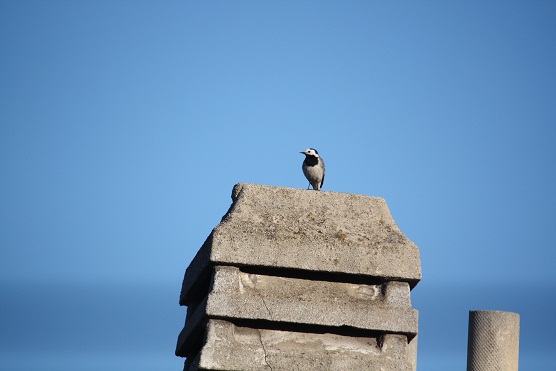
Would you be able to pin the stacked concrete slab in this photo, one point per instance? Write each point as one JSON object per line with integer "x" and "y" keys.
{"x": 294, "y": 279}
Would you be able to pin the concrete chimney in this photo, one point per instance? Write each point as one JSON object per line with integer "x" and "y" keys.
{"x": 294, "y": 279}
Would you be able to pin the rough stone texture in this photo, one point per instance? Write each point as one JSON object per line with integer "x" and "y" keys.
{"x": 237, "y": 295}
{"x": 301, "y": 280}
{"x": 330, "y": 232}
{"x": 493, "y": 342}
{"x": 230, "y": 347}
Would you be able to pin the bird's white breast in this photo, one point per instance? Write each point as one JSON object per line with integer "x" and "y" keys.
{"x": 313, "y": 172}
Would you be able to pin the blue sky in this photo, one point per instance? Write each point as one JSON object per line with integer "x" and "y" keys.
{"x": 125, "y": 124}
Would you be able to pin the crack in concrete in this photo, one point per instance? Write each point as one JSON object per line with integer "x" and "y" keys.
{"x": 262, "y": 299}
{"x": 266, "y": 306}
{"x": 259, "y": 331}
{"x": 264, "y": 350}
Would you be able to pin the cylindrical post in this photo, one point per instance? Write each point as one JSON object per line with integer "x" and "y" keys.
{"x": 493, "y": 343}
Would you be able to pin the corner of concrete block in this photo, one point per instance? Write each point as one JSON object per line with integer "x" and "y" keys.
{"x": 195, "y": 277}
{"x": 236, "y": 191}
{"x": 397, "y": 294}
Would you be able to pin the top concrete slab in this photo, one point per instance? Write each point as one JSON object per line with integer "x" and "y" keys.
{"x": 325, "y": 232}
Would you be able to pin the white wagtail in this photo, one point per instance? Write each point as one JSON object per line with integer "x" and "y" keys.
{"x": 313, "y": 168}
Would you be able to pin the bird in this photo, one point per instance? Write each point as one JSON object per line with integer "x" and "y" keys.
{"x": 313, "y": 168}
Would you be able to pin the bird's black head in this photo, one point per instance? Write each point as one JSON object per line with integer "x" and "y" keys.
{"x": 311, "y": 156}
{"x": 310, "y": 152}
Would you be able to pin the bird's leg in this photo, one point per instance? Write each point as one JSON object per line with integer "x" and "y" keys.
{"x": 308, "y": 185}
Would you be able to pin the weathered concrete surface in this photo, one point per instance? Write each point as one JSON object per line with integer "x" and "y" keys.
{"x": 230, "y": 347}
{"x": 239, "y": 295}
{"x": 493, "y": 342}
{"x": 291, "y": 228}
{"x": 301, "y": 280}
{"x": 253, "y": 296}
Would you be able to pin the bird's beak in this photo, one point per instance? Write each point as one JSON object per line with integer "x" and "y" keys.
{"x": 302, "y": 153}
